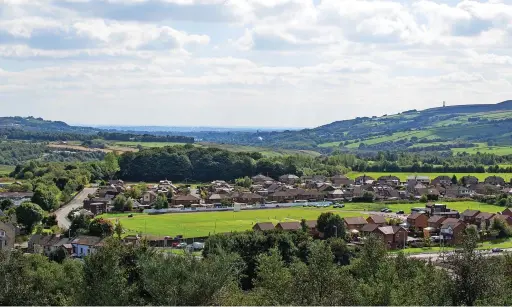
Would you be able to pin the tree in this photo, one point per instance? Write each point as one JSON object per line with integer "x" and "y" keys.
{"x": 454, "y": 179}
{"x": 51, "y": 220}
{"x": 118, "y": 229}
{"x": 119, "y": 203}
{"x": 59, "y": 255}
{"x": 46, "y": 197}
{"x": 501, "y": 228}
{"x": 101, "y": 227}
{"x": 29, "y": 214}
{"x": 161, "y": 202}
{"x": 331, "y": 225}
{"x": 129, "y": 204}
{"x": 79, "y": 224}
{"x": 6, "y": 204}
{"x": 111, "y": 163}
{"x": 244, "y": 182}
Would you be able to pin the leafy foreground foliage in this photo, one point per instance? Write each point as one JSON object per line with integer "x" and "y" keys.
{"x": 308, "y": 275}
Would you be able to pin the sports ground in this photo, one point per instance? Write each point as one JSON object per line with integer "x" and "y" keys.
{"x": 206, "y": 223}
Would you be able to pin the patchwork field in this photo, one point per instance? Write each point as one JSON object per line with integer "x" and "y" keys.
{"x": 205, "y": 223}
{"x": 403, "y": 176}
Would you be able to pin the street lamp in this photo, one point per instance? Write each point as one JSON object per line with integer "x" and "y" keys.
{"x": 335, "y": 231}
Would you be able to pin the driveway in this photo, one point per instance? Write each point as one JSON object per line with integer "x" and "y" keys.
{"x": 77, "y": 202}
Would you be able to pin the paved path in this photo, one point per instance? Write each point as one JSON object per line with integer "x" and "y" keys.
{"x": 77, "y": 202}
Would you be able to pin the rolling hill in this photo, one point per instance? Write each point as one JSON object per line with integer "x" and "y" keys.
{"x": 442, "y": 128}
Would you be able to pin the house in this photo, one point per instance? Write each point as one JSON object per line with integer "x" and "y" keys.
{"x": 483, "y": 219}
{"x": 469, "y": 180}
{"x": 84, "y": 245}
{"x": 485, "y": 188}
{"x": 149, "y": 197}
{"x": 469, "y": 216}
{"x": 368, "y": 229}
{"x": 354, "y": 223}
{"x": 46, "y": 244}
{"x": 506, "y": 218}
{"x": 452, "y": 232}
{"x": 7, "y": 236}
{"x": 108, "y": 192}
{"x": 116, "y": 182}
{"x": 289, "y": 179}
{"x": 364, "y": 180}
{"x": 263, "y": 226}
{"x": 282, "y": 197}
{"x": 436, "y": 221}
{"x": 442, "y": 180}
{"x": 310, "y": 195}
{"x": 248, "y": 198}
{"x": 185, "y": 200}
{"x": 336, "y": 194}
{"x": 418, "y": 221}
{"x": 495, "y": 180}
{"x": 376, "y": 219}
{"x": 393, "y": 236}
{"x": 449, "y": 214}
{"x": 289, "y": 226}
{"x": 391, "y": 180}
{"x": 312, "y": 227}
{"x": 507, "y": 212}
{"x": 219, "y": 198}
{"x": 413, "y": 180}
{"x": 458, "y": 191}
{"x": 341, "y": 180}
{"x": 261, "y": 178}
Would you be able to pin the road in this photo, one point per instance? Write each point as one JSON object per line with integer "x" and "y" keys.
{"x": 77, "y": 202}
{"x": 439, "y": 256}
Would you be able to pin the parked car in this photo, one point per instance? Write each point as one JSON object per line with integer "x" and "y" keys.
{"x": 339, "y": 206}
{"x": 182, "y": 245}
{"x": 497, "y": 250}
{"x": 386, "y": 210}
{"x": 198, "y": 245}
{"x": 400, "y": 212}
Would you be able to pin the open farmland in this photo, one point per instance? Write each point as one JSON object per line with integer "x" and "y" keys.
{"x": 205, "y": 223}
{"x": 403, "y": 176}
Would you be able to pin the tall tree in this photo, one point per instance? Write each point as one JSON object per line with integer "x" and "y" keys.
{"x": 29, "y": 214}
{"x": 111, "y": 162}
{"x": 331, "y": 225}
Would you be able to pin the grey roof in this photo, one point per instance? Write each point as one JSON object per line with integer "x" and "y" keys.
{"x": 358, "y": 220}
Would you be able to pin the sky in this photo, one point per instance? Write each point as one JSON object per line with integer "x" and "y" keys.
{"x": 257, "y": 63}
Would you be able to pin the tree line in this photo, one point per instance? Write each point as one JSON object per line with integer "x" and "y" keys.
{"x": 313, "y": 273}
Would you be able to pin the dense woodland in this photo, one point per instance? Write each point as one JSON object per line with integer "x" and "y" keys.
{"x": 286, "y": 270}
{"x": 190, "y": 163}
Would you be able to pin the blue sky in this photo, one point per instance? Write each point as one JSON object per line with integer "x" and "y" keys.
{"x": 289, "y": 63}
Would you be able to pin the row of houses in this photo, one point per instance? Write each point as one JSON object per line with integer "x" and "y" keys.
{"x": 79, "y": 246}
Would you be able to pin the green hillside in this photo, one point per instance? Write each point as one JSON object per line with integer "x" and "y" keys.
{"x": 461, "y": 128}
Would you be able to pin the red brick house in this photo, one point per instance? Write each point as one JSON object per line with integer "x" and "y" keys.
{"x": 507, "y": 212}
{"x": 506, "y": 218}
{"x": 376, "y": 219}
{"x": 289, "y": 226}
{"x": 483, "y": 219}
{"x": 393, "y": 236}
{"x": 263, "y": 226}
{"x": 356, "y": 223}
{"x": 417, "y": 221}
{"x": 185, "y": 200}
{"x": 469, "y": 216}
{"x": 436, "y": 221}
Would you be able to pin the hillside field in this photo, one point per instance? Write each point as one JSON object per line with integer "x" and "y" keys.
{"x": 205, "y": 223}
{"x": 6, "y": 169}
{"x": 403, "y": 176}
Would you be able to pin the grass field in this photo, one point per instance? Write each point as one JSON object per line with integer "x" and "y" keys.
{"x": 459, "y": 206}
{"x": 497, "y": 150}
{"x": 149, "y": 144}
{"x": 403, "y": 176}
{"x": 6, "y": 169}
{"x": 205, "y": 223}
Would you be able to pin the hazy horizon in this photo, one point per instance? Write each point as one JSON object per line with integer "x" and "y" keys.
{"x": 252, "y": 63}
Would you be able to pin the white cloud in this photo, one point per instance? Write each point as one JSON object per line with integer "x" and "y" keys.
{"x": 316, "y": 61}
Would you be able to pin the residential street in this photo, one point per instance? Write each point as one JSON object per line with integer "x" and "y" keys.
{"x": 77, "y": 202}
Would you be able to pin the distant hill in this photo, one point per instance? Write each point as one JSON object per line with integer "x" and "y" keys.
{"x": 442, "y": 128}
